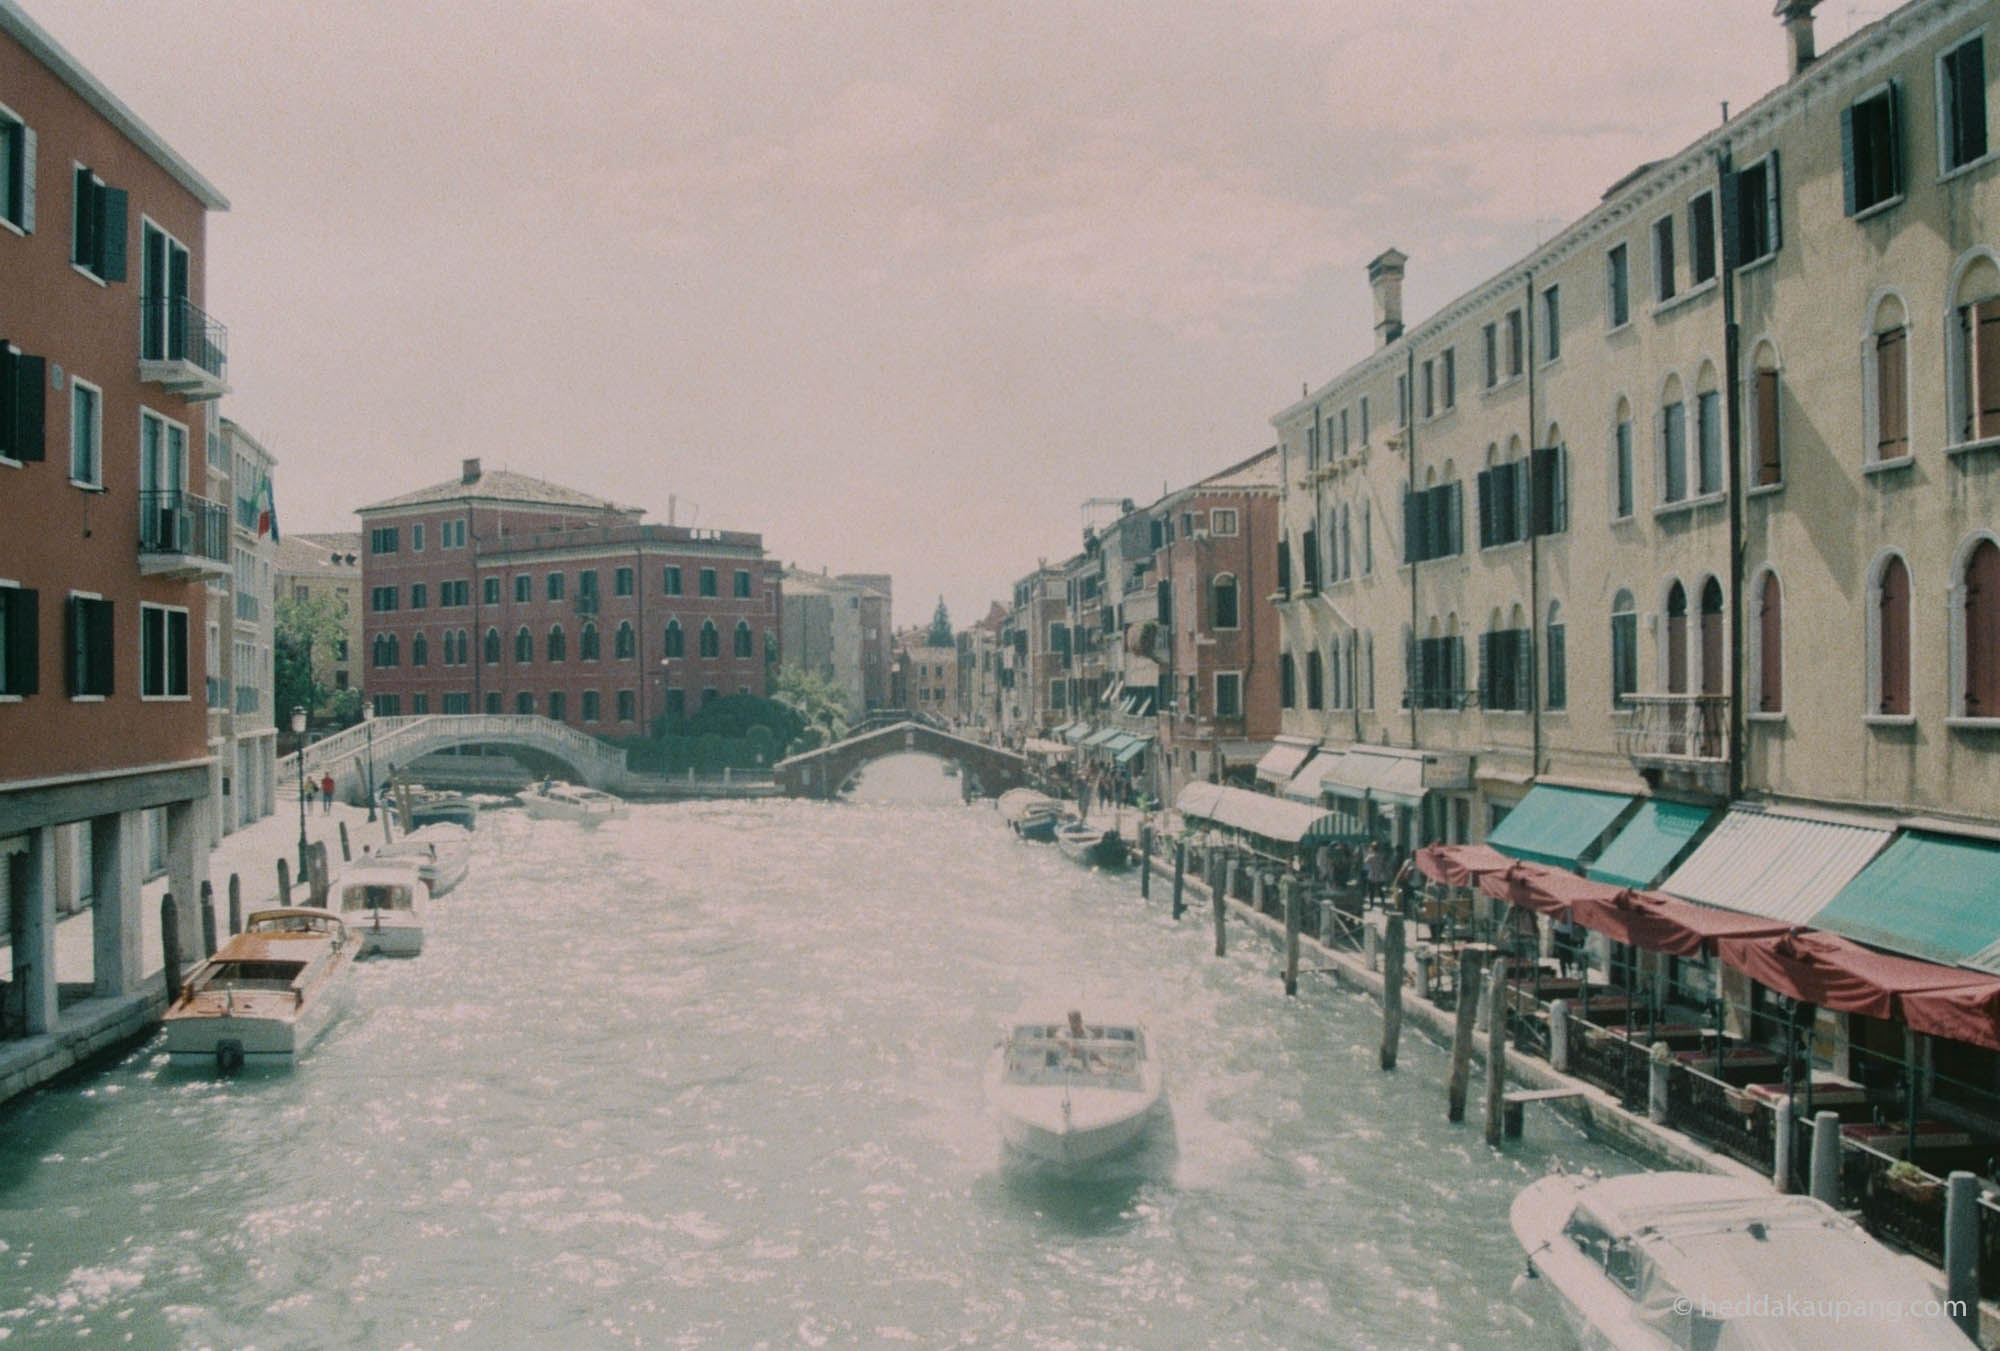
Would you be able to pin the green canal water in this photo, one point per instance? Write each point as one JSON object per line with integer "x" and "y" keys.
{"x": 709, "y": 1077}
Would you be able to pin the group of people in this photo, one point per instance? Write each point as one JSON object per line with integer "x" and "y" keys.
{"x": 1378, "y": 870}
{"x": 1100, "y": 783}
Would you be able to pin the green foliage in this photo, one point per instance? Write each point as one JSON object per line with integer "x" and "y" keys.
{"x": 734, "y": 716}
{"x": 301, "y": 626}
{"x": 820, "y": 705}
{"x": 940, "y": 634}
{"x": 344, "y": 706}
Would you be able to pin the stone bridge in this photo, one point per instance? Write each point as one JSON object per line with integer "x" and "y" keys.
{"x": 988, "y": 770}
{"x": 398, "y": 741}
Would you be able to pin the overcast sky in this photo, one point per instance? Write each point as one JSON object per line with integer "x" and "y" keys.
{"x": 897, "y": 285}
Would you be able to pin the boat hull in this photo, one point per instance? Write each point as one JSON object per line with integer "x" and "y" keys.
{"x": 198, "y": 1039}
{"x": 398, "y": 938}
{"x": 1094, "y": 849}
{"x": 1072, "y": 1126}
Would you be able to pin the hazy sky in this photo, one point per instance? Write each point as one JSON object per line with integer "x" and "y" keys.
{"x": 897, "y": 285}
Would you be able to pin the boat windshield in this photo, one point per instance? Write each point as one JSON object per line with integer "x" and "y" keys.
{"x": 1045, "y": 1054}
{"x": 254, "y": 975}
{"x": 375, "y": 896}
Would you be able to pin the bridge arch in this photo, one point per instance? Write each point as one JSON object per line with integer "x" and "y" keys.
{"x": 986, "y": 770}
{"x": 578, "y": 756}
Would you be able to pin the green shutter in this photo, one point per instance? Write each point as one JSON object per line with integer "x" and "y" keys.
{"x": 1848, "y": 193}
{"x": 111, "y": 249}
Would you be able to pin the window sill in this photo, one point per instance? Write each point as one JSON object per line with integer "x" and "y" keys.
{"x": 167, "y": 699}
{"x": 1944, "y": 176}
{"x": 1502, "y": 386}
{"x": 9, "y": 462}
{"x": 87, "y": 274}
{"x": 86, "y": 485}
{"x": 1761, "y": 261}
{"x": 1687, "y": 297}
{"x": 14, "y": 227}
{"x": 86, "y": 698}
{"x": 1485, "y": 549}
{"x": 1627, "y": 519}
{"x": 1964, "y": 724}
{"x": 1619, "y": 330}
{"x": 1973, "y": 447}
{"x": 1890, "y": 719}
{"x": 1881, "y": 208}
{"x": 1889, "y": 466}
{"x": 1777, "y": 717}
{"x": 1688, "y": 504}
{"x": 10, "y": 698}
{"x": 1553, "y": 363}
{"x": 1765, "y": 489}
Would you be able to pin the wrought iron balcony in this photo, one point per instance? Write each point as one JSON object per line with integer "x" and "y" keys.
{"x": 1675, "y": 731}
{"x": 181, "y": 349}
{"x": 181, "y": 535}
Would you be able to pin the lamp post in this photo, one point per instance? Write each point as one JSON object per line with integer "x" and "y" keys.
{"x": 368, "y": 718}
{"x": 299, "y": 736}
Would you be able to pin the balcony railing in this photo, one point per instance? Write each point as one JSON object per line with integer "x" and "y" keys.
{"x": 1675, "y": 728}
{"x": 181, "y": 348}
{"x": 181, "y": 535}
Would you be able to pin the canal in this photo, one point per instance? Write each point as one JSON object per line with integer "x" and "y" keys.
{"x": 710, "y": 1077}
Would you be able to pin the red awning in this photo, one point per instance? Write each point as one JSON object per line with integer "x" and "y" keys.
{"x": 1460, "y": 865}
{"x": 1835, "y": 973}
{"x": 1969, "y": 1013}
{"x": 1660, "y": 923}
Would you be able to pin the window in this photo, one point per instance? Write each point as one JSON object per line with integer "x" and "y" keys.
{"x": 1974, "y": 354}
{"x": 628, "y": 708}
{"x": 1284, "y": 568}
{"x": 1758, "y": 233}
{"x": 1367, "y": 539}
{"x": 1870, "y": 156}
{"x": 1222, "y": 603}
{"x": 97, "y": 238}
{"x": 388, "y": 705}
{"x": 1618, "y": 286}
{"x": 382, "y": 599}
{"x": 1961, "y": 97}
{"x": 524, "y": 588}
{"x": 383, "y": 539}
{"x": 1228, "y": 694}
{"x": 622, "y": 582}
{"x": 1889, "y": 639}
{"x": 626, "y": 645}
{"x": 1449, "y": 368}
{"x": 382, "y": 652}
{"x": 491, "y": 647}
{"x": 1977, "y": 628}
{"x": 1309, "y": 556}
{"x": 742, "y": 584}
{"x": 1503, "y": 504}
{"x": 1288, "y": 680}
{"x": 1770, "y": 646}
{"x": 1621, "y": 462}
{"x": 417, "y": 537}
{"x": 1664, "y": 288}
{"x": 587, "y": 643}
{"x": 17, "y": 173}
{"x": 1558, "y": 690}
{"x": 91, "y": 645}
{"x": 86, "y": 434}
{"x": 419, "y": 596}
{"x": 1624, "y": 648}
{"x": 1676, "y": 653}
{"x": 455, "y": 593}
{"x": 20, "y": 641}
{"x": 1315, "y": 680}
{"x": 420, "y": 651}
{"x": 744, "y": 645}
{"x": 586, "y": 590}
{"x": 1552, "y": 328}
{"x": 23, "y": 404}
{"x": 451, "y": 535}
{"x": 675, "y": 643}
{"x": 1222, "y": 522}
{"x": 490, "y": 590}
{"x": 1432, "y": 523}
{"x": 1708, "y": 442}
{"x": 1504, "y": 662}
{"x": 556, "y": 586}
{"x": 1403, "y": 400}
{"x": 558, "y": 705}
{"x": 1516, "y": 344}
{"x": 1364, "y": 424}
{"x": 558, "y": 645}
{"x": 524, "y": 646}
{"x": 459, "y": 702}
{"x": 524, "y": 702}
{"x": 1701, "y": 239}
{"x": 670, "y": 581}
{"x": 1343, "y": 431}
{"x": 1767, "y": 460}
{"x": 1489, "y": 346}
{"x": 1435, "y": 671}
{"x": 711, "y": 640}
{"x": 1886, "y": 383}
{"x": 708, "y": 581}
{"x": 1430, "y": 387}
{"x": 590, "y": 698}
{"x": 1673, "y": 446}
{"x": 492, "y": 701}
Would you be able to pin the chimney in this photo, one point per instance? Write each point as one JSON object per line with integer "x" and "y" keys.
{"x": 1385, "y": 278}
{"x": 468, "y": 471}
{"x": 1797, "y": 16}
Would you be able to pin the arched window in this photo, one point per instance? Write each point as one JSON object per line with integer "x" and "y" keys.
{"x": 626, "y": 644}
{"x": 524, "y": 646}
{"x": 1367, "y": 539}
{"x": 1972, "y": 349}
{"x": 1711, "y": 637}
{"x": 1765, "y": 451}
{"x": 1222, "y": 601}
{"x": 1707, "y": 432}
{"x": 1975, "y": 602}
{"x": 1770, "y": 645}
{"x": 1621, "y": 461}
{"x": 420, "y": 651}
{"x": 1885, "y": 381}
{"x": 744, "y": 647}
{"x": 1889, "y": 639}
{"x": 676, "y": 642}
{"x": 558, "y": 646}
{"x": 1624, "y": 647}
{"x": 711, "y": 641}
{"x": 1557, "y": 660}
{"x": 586, "y": 643}
{"x": 1315, "y": 680}
{"x": 1672, "y": 440}
{"x": 464, "y": 648}
{"x": 492, "y": 647}
{"x": 1677, "y": 639}
{"x": 384, "y": 650}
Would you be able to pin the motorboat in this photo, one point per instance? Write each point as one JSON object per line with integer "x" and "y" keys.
{"x": 1069, "y": 1091}
{"x": 442, "y": 852}
{"x": 266, "y": 994}
{"x": 1091, "y": 846}
{"x": 421, "y": 806}
{"x": 1031, "y": 815}
{"x": 551, "y": 800}
{"x": 1707, "y": 1263}
{"x": 382, "y": 901}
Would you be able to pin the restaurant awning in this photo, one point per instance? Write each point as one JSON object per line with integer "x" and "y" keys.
{"x": 1378, "y": 772}
{"x": 1557, "y": 825}
{"x": 1837, "y": 973}
{"x": 1254, "y": 813}
{"x": 1100, "y": 736}
{"x": 1650, "y": 844}
{"x": 1775, "y": 864}
{"x": 1927, "y": 895}
{"x": 1038, "y": 746}
{"x": 1282, "y": 761}
{"x": 1075, "y": 732}
{"x": 1127, "y": 754}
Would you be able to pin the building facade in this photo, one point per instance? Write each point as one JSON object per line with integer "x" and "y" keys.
{"x": 327, "y": 566}
{"x": 833, "y": 627}
{"x": 242, "y": 730}
{"x": 501, "y": 593}
{"x": 927, "y": 676}
{"x": 107, "y": 378}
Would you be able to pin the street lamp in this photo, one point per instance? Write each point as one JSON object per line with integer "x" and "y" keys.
{"x": 368, "y": 719}
{"x": 299, "y": 737}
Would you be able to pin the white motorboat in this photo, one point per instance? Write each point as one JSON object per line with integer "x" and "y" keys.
{"x": 1707, "y": 1263}
{"x": 1070, "y": 1091}
{"x": 266, "y": 993}
{"x": 442, "y": 853}
{"x": 550, "y": 800}
{"x": 1092, "y": 847}
{"x": 382, "y": 901}
{"x": 1031, "y": 815}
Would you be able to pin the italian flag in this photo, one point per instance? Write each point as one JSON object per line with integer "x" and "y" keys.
{"x": 267, "y": 512}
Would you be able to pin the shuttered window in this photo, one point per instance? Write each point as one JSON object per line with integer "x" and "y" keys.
{"x": 1711, "y": 637}
{"x": 1979, "y": 339}
{"x": 1673, "y": 452}
{"x": 1624, "y": 654}
{"x": 1505, "y": 657}
{"x": 24, "y": 382}
{"x": 1288, "y": 679}
{"x": 1870, "y": 151}
{"x": 91, "y": 645}
{"x": 1892, "y": 408}
{"x": 1770, "y": 463}
{"x": 1557, "y": 662}
{"x": 1315, "y": 680}
{"x": 20, "y": 641}
{"x": 1770, "y": 646}
{"x": 1677, "y": 641}
{"x": 1982, "y": 632}
{"x": 1892, "y": 672}
{"x": 1962, "y": 103}
{"x": 17, "y": 173}
{"x": 98, "y": 233}
{"x": 492, "y": 647}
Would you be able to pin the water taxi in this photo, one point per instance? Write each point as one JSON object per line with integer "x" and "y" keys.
{"x": 1069, "y": 1091}
{"x": 1031, "y": 815}
{"x": 553, "y": 801}
{"x": 442, "y": 853}
{"x": 382, "y": 902}
{"x": 266, "y": 993}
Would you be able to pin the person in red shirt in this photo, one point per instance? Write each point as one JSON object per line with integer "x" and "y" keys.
{"x": 326, "y": 795}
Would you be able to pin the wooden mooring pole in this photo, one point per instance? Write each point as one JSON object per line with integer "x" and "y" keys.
{"x": 346, "y": 853}
{"x": 1496, "y": 1051}
{"x": 170, "y": 945}
{"x": 235, "y": 904}
{"x": 1392, "y": 989}
{"x": 1145, "y": 862}
{"x": 1463, "y": 1021}
{"x": 1288, "y": 888}
{"x": 1180, "y": 875}
{"x": 1218, "y": 894}
{"x": 285, "y": 880}
{"x": 207, "y": 919}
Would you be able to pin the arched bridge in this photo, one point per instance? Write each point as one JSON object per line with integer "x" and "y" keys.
{"x": 397, "y": 741}
{"x": 988, "y": 770}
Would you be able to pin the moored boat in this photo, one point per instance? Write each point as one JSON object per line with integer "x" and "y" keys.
{"x": 265, "y": 995}
{"x": 442, "y": 853}
{"x": 1069, "y": 1092}
{"x": 1031, "y": 815}
{"x": 1092, "y": 847}
{"x": 382, "y": 902}
{"x": 1691, "y": 1260}
{"x": 549, "y": 800}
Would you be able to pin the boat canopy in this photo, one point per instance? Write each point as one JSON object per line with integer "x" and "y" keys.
{"x": 1257, "y": 814}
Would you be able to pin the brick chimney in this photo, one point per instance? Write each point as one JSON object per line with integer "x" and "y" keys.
{"x": 468, "y": 471}
{"x": 1797, "y": 16}
{"x": 1385, "y": 278}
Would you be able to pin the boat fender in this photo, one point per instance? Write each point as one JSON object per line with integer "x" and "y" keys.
{"x": 228, "y": 1056}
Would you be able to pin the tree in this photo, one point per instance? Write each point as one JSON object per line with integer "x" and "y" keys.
{"x": 940, "y": 634}
{"x": 819, "y": 703}
{"x": 302, "y": 624}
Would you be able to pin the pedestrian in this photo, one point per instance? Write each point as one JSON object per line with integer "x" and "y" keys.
{"x": 326, "y": 795}
{"x": 1375, "y": 869}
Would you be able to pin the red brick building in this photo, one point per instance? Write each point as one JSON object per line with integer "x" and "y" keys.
{"x": 108, "y": 367}
{"x": 501, "y": 593}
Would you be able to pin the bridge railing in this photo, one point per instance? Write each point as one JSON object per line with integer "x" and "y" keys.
{"x": 404, "y": 738}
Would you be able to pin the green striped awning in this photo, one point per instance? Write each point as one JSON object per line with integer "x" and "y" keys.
{"x": 1650, "y": 844}
{"x": 1128, "y": 754}
{"x": 1558, "y": 825}
{"x": 1925, "y": 895}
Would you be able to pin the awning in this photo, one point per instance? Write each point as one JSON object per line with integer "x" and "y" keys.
{"x": 1138, "y": 703}
{"x": 1282, "y": 761}
{"x": 1650, "y": 844}
{"x": 1100, "y": 736}
{"x": 1075, "y": 732}
{"x": 1557, "y": 825}
{"x": 1835, "y": 973}
{"x": 1774, "y": 864}
{"x": 1376, "y": 772}
{"x": 1460, "y": 865}
{"x": 1128, "y": 754}
{"x": 1304, "y": 785}
{"x": 1927, "y": 895}
{"x": 1037, "y": 746}
{"x": 1255, "y": 813}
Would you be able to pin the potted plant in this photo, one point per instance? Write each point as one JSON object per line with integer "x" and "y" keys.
{"x": 1913, "y": 1183}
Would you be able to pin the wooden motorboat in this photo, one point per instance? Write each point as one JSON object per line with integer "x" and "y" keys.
{"x": 1692, "y": 1260}
{"x": 266, "y": 993}
{"x": 421, "y": 806}
{"x": 442, "y": 853}
{"x": 1031, "y": 815}
{"x": 550, "y": 800}
{"x": 1092, "y": 847}
{"x": 382, "y": 902}
{"x": 1070, "y": 1091}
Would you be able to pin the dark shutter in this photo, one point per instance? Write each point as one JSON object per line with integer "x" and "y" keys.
{"x": 115, "y": 206}
{"x": 1968, "y": 69}
{"x": 1892, "y": 438}
{"x": 1770, "y": 648}
{"x": 1450, "y": 497}
{"x": 1770, "y": 467}
{"x": 1486, "y": 532}
{"x": 1486, "y": 671}
{"x": 1545, "y": 466}
{"x": 102, "y": 648}
{"x": 26, "y": 400}
{"x": 1893, "y": 635}
{"x": 1773, "y": 213}
{"x": 1731, "y": 220}
{"x": 1986, "y": 338}
{"x": 1982, "y": 632}
{"x": 1558, "y": 696}
{"x": 1524, "y": 665}
{"x": 23, "y": 639}
{"x": 1848, "y": 193}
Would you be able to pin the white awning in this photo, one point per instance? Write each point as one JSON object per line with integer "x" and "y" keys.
{"x": 1775, "y": 864}
{"x": 1038, "y": 746}
{"x": 1385, "y": 773}
{"x": 1251, "y": 813}
{"x": 1282, "y": 761}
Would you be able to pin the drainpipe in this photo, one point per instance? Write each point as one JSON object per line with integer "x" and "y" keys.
{"x": 1534, "y": 548}
{"x": 640, "y": 652}
{"x": 1409, "y": 412}
{"x": 478, "y": 625}
{"x": 1732, "y": 473}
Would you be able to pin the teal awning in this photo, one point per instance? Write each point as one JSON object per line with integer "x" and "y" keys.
{"x": 1075, "y": 732}
{"x": 1132, "y": 752}
{"x": 1650, "y": 844}
{"x": 1101, "y": 735}
{"x": 1558, "y": 825}
{"x": 1926, "y": 895}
